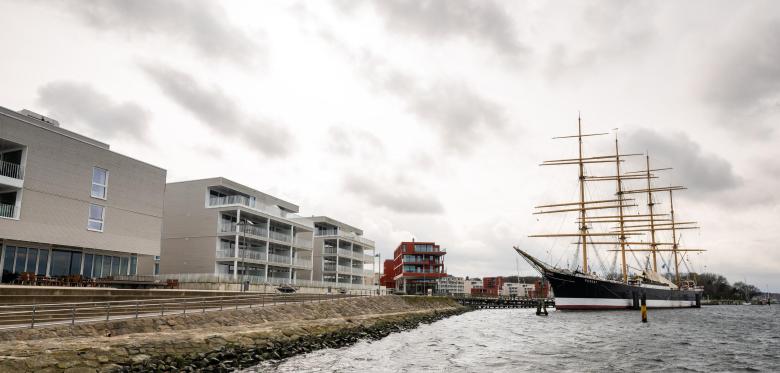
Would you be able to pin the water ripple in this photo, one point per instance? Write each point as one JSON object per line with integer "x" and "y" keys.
{"x": 710, "y": 339}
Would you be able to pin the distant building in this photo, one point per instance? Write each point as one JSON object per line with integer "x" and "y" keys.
{"x": 71, "y": 206}
{"x": 416, "y": 266}
{"x": 491, "y": 287}
{"x": 450, "y": 285}
{"x": 341, "y": 254}
{"x": 219, "y": 227}
{"x": 388, "y": 272}
{"x": 469, "y": 284}
{"x": 540, "y": 290}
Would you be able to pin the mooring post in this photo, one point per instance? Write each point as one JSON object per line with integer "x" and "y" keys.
{"x": 644, "y": 307}
{"x": 32, "y": 320}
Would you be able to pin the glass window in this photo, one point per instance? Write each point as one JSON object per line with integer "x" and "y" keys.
{"x": 88, "y": 265}
{"x": 98, "y": 267}
{"x": 106, "y": 267}
{"x": 75, "y": 263}
{"x": 123, "y": 265}
{"x": 43, "y": 260}
{"x": 60, "y": 263}
{"x": 99, "y": 182}
{"x": 21, "y": 258}
{"x": 32, "y": 258}
{"x": 8, "y": 263}
{"x": 115, "y": 266}
{"x": 96, "y": 215}
{"x": 133, "y": 265}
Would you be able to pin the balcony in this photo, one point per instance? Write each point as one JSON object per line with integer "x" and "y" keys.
{"x": 225, "y": 253}
{"x": 280, "y": 259}
{"x": 12, "y": 170}
{"x": 301, "y": 262}
{"x": 251, "y": 254}
{"x": 230, "y": 200}
{"x": 279, "y": 236}
{"x": 345, "y": 270}
{"x": 342, "y": 234}
{"x": 345, "y": 253}
{"x": 330, "y": 250}
{"x": 7, "y": 211}
{"x": 329, "y": 267}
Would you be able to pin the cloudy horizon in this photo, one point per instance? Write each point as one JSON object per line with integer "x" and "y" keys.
{"x": 428, "y": 120}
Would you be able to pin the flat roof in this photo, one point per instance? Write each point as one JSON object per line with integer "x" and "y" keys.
{"x": 265, "y": 197}
{"x": 67, "y": 133}
{"x": 340, "y": 224}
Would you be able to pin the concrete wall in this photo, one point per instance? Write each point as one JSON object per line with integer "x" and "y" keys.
{"x": 189, "y": 230}
{"x": 56, "y": 194}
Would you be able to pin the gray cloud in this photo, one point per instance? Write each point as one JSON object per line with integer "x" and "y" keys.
{"x": 480, "y": 21}
{"x": 353, "y": 142}
{"x": 700, "y": 171}
{"x": 78, "y": 102}
{"x": 460, "y": 116}
{"x": 218, "y": 111}
{"x": 202, "y": 24}
{"x": 744, "y": 80}
{"x": 395, "y": 196}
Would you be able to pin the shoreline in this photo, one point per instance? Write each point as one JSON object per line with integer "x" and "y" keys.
{"x": 215, "y": 341}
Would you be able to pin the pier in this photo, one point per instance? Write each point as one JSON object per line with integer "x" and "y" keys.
{"x": 480, "y": 303}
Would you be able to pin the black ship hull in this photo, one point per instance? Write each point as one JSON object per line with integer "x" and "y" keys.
{"x": 579, "y": 291}
{"x": 582, "y": 292}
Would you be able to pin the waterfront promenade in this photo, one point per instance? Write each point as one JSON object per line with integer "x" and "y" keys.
{"x": 214, "y": 339}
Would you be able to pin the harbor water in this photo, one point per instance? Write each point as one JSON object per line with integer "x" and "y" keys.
{"x": 713, "y": 338}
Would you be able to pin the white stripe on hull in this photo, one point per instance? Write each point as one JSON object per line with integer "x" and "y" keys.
{"x": 616, "y": 303}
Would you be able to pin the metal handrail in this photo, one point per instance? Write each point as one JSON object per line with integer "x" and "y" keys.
{"x": 47, "y": 313}
{"x": 12, "y": 170}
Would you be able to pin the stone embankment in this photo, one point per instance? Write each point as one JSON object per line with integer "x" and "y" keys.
{"x": 215, "y": 341}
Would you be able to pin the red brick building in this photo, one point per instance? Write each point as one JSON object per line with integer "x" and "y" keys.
{"x": 387, "y": 274}
{"x": 491, "y": 287}
{"x": 416, "y": 266}
{"x": 541, "y": 290}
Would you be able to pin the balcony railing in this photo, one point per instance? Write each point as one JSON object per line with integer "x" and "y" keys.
{"x": 7, "y": 211}
{"x": 345, "y": 270}
{"x": 230, "y": 200}
{"x": 302, "y": 242}
{"x": 345, "y": 253}
{"x": 281, "y": 259}
{"x": 301, "y": 262}
{"x": 329, "y": 267}
{"x": 251, "y": 254}
{"x": 11, "y": 170}
{"x": 225, "y": 254}
{"x": 284, "y": 237}
{"x": 330, "y": 250}
{"x": 347, "y": 235}
{"x": 255, "y": 230}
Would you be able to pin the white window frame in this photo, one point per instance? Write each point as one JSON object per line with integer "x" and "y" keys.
{"x": 102, "y": 220}
{"x": 105, "y": 186}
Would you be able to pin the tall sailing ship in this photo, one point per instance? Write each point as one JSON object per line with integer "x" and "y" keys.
{"x": 618, "y": 223}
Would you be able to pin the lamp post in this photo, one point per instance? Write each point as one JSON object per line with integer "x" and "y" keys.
{"x": 379, "y": 279}
{"x": 242, "y": 226}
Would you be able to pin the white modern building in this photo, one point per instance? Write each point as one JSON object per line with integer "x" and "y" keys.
{"x": 219, "y": 227}
{"x": 451, "y": 285}
{"x": 69, "y": 206}
{"x": 471, "y": 283}
{"x": 341, "y": 254}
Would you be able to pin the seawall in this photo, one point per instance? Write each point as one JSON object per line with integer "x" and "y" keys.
{"x": 217, "y": 341}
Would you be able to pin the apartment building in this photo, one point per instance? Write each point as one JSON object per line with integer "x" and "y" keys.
{"x": 71, "y": 206}
{"x": 450, "y": 285}
{"x": 219, "y": 227}
{"x": 341, "y": 254}
{"x": 470, "y": 284}
{"x": 417, "y": 265}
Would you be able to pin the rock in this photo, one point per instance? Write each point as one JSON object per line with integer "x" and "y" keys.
{"x": 140, "y": 358}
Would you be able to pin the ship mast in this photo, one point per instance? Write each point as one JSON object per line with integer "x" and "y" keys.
{"x": 622, "y": 237}
{"x": 653, "y": 244}
{"x": 583, "y": 222}
{"x": 674, "y": 241}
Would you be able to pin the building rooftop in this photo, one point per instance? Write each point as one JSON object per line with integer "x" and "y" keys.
{"x": 264, "y": 198}
{"x": 334, "y": 222}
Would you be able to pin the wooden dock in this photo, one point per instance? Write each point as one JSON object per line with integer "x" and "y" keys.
{"x": 503, "y": 302}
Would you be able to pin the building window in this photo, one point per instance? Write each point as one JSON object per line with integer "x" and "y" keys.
{"x": 99, "y": 182}
{"x": 96, "y": 217}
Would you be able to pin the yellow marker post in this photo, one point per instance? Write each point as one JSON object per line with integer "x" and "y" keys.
{"x": 644, "y": 307}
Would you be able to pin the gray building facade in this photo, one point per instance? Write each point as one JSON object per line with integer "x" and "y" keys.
{"x": 219, "y": 227}
{"x": 71, "y": 206}
{"x": 341, "y": 254}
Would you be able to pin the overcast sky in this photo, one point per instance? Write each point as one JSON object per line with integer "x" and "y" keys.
{"x": 428, "y": 119}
